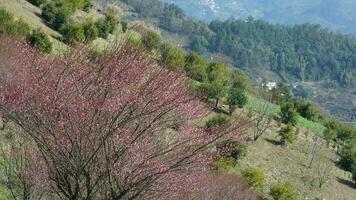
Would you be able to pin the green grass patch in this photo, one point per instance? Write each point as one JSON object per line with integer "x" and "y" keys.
{"x": 256, "y": 104}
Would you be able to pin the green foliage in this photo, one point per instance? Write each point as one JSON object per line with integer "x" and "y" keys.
{"x": 287, "y": 134}
{"x": 10, "y": 26}
{"x": 283, "y": 191}
{"x": 195, "y": 66}
{"x": 280, "y": 94}
{"x": 106, "y": 26}
{"x": 232, "y": 149}
{"x": 91, "y": 32}
{"x": 37, "y": 2}
{"x": 151, "y": 40}
{"x": 57, "y": 13}
{"x": 217, "y": 120}
{"x": 236, "y": 97}
{"x": 348, "y": 158}
{"x": 224, "y": 163}
{"x": 215, "y": 84}
{"x": 40, "y": 40}
{"x": 306, "y": 109}
{"x": 124, "y": 27}
{"x": 172, "y": 57}
{"x": 73, "y": 33}
{"x": 288, "y": 114}
{"x": 254, "y": 177}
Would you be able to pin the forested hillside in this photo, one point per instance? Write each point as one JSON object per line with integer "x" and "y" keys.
{"x": 298, "y": 53}
{"x": 337, "y": 15}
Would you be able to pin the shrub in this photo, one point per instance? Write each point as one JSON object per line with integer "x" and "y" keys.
{"x": 287, "y": 134}
{"x": 124, "y": 27}
{"x": 37, "y": 2}
{"x": 217, "y": 120}
{"x": 73, "y": 33}
{"x": 195, "y": 66}
{"x": 232, "y": 148}
{"x": 106, "y": 26}
{"x": 11, "y": 27}
{"x": 282, "y": 191}
{"x": 254, "y": 177}
{"x": 236, "y": 97}
{"x": 57, "y": 13}
{"x": 348, "y": 158}
{"x": 223, "y": 163}
{"x": 288, "y": 114}
{"x": 151, "y": 40}
{"x": 91, "y": 32}
{"x": 40, "y": 40}
{"x": 172, "y": 57}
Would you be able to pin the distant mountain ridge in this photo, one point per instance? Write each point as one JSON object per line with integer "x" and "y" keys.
{"x": 339, "y": 15}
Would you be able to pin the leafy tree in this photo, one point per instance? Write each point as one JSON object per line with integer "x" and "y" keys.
{"x": 283, "y": 191}
{"x": 280, "y": 94}
{"x": 106, "y": 26}
{"x": 195, "y": 66}
{"x": 91, "y": 32}
{"x": 151, "y": 40}
{"x": 40, "y": 40}
{"x": 236, "y": 97}
{"x": 287, "y": 134}
{"x": 306, "y": 109}
{"x": 288, "y": 114}
{"x": 73, "y": 33}
{"x": 216, "y": 81}
{"x": 172, "y": 57}
{"x": 254, "y": 177}
{"x": 57, "y": 13}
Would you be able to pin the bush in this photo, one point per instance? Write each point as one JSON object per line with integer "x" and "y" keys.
{"x": 254, "y": 177}
{"x": 287, "y": 134}
{"x": 73, "y": 33}
{"x": 282, "y": 191}
{"x": 348, "y": 158}
{"x": 288, "y": 114}
{"x": 195, "y": 66}
{"x": 37, "y": 2}
{"x": 223, "y": 163}
{"x": 236, "y": 97}
{"x": 172, "y": 57}
{"x": 217, "y": 120}
{"x": 57, "y": 13}
{"x": 40, "y": 40}
{"x": 306, "y": 109}
{"x": 151, "y": 40}
{"x": 11, "y": 27}
{"x": 124, "y": 27}
{"x": 91, "y": 32}
{"x": 232, "y": 149}
{"x": 106, "y": 26}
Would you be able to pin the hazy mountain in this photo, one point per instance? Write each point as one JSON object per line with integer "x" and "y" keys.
{"x": 338, "y": 15}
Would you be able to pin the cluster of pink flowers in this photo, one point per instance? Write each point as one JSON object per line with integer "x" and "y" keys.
{"x": 117, "y": 128}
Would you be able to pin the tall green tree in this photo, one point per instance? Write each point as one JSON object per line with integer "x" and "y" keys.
{"x": 216, "y": 81}
{"x": 288, "y": 114}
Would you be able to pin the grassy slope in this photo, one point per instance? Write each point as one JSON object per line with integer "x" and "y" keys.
{"x": 31, "y": 14}
{"x": 290, "y": 164}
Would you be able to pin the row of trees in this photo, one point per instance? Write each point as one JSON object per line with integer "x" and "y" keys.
{"x": 213, "y": 79}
